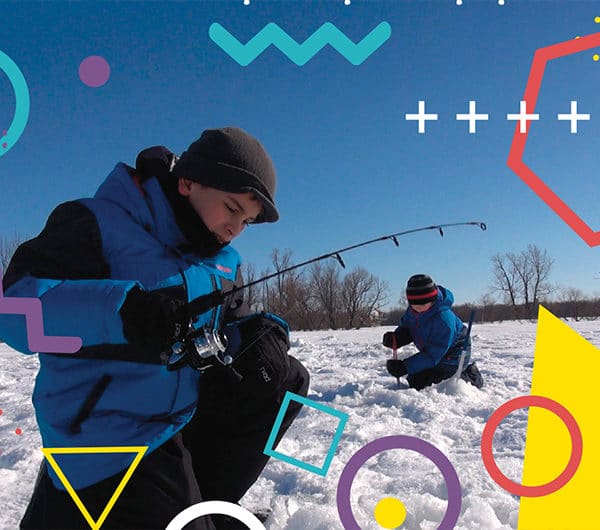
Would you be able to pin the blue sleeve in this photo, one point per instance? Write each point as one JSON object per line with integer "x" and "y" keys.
{"x": 65, "y": 269}
{"x": 88, "y": 309}
{"x": 441, "y": 338}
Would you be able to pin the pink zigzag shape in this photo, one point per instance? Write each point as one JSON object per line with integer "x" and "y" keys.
{"x": 36, "y": 340}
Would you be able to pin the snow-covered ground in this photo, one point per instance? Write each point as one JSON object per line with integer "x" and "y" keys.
{"x": 348, "y": 374}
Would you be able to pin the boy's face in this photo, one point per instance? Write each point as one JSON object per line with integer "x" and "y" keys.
{"x": 224, "y": 213}
{"x": 421, "y": 308}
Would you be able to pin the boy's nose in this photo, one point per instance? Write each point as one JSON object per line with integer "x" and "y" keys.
{"x": 234, "y": 228}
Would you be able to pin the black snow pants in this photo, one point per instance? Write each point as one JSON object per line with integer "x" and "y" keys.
{"x": 217, "y": 456}
{"x": 431, "y": 376}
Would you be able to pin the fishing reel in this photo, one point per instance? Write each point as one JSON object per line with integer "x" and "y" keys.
{"x": 202, "y": 348}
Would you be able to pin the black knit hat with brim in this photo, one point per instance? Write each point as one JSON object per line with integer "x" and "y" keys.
{"x": 230, "y": 159}
{"x": 421, "y": 289}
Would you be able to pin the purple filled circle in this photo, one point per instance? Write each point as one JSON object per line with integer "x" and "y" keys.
{"x": 94, "y": 71}
{"x": 399, "y": 442}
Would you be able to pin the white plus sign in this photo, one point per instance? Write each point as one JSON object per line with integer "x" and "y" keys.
{"x": 472, "y": 117}
{"x": 573, "y": 117}
{"x": 523, "y": 117}
{"x": 421, "y": 117}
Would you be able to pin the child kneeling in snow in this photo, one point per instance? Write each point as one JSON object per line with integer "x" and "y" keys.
{"x": 436, "y": 331}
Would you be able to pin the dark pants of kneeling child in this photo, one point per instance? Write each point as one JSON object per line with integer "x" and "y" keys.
{"x": 431, "y": 376}
{"x": 217, "y": 456}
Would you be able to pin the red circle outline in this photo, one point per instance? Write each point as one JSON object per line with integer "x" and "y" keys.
{"x": 520, "y": 489}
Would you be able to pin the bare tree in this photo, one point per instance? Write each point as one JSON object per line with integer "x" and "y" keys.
{"x": 8, "y": 245}
{"x": 251, "y": 294}
{"x": 361, "y": 293}
{"x": 402, "y": 300}
{"x": 325, "y": 284}
{"x": 505, "y": 278}
{"x": 485, "y": 302}
{"x": 281, "y": 261}
{"x": 288, "y": 294}
{"x": 595, "y": 306}
{"x": 274, "y": 293}
{"x": 541, "y": 264}
{"x": 572, "y": 300}
{"x": 303, "y": 312}
{"x": 264, "y": 290}
{"x": 523, "y": 278}
{"x": 523, "y": 271}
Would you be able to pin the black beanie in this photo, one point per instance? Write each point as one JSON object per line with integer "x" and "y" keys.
{"x": 421, "y": 289}
{"x": 229, "y": 159}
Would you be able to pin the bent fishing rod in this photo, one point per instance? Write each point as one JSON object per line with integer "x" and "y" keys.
{"x": 208, "y": 301}
{"x": 204, "y": 347}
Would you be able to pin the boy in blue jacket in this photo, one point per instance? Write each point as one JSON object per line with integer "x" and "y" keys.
{"x": 436, "y": 331}
{"x": 117, "y": 270}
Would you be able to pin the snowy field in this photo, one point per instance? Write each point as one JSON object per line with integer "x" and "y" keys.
{"x": 348, "y": 374}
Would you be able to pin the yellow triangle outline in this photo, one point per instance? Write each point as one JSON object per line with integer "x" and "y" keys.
{"x": 95, "y": 525}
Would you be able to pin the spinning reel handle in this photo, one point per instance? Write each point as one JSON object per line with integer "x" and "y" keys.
{"x": 202, "y": 349}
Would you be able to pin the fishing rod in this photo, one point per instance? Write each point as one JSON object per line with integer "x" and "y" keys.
{"x": 205, "y": 302}
{"x": 202, "y": 348}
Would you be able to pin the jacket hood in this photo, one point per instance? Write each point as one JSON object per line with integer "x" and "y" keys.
{"x": 444, "y": 300}
{"x": 145, "y": 203}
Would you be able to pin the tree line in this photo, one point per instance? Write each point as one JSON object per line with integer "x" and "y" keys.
{"x": 323, "y": 295}
{"x": 317, "y": 296}
{"x": 521, "y": 282}
{"x": 8, "y": 245}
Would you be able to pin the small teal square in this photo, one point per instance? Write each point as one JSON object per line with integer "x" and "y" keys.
{"x": 343, "y": 417}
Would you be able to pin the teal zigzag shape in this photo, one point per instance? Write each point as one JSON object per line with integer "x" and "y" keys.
{"x": 300, "y": 54}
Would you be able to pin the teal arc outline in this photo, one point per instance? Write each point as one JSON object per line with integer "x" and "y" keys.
{"x": 342, "y": 416}
{"x": 17, "y": 80}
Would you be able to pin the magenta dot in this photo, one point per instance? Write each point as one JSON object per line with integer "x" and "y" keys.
{"x": 5, "y": 145}
{"x": 94, "y": 71}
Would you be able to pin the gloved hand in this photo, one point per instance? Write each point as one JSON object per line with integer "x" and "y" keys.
{"x": 264, "y": 362}
{"x": 151, "y": 320}
{"x": 388, "y": 339}
{"x": 396, "y": 367}
{"x": 260, "y": 353}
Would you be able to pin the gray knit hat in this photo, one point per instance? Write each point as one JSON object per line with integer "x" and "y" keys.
{"x": 232, "y": 160}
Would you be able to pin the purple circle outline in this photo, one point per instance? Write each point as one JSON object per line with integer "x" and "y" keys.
{"x": 399, "y": 442}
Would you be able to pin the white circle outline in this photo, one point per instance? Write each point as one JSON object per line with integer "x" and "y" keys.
{"x": 215, "y": 507}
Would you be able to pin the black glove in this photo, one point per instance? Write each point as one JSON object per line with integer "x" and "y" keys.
{"x": 151, "y": 320}
{"x": 259, "y": 347}
{"x": 264, "y": 362}
{"x": 388, "y": 339}
{"x": 396, "y": 367}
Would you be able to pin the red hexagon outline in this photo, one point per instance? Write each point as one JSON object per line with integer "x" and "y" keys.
{"x": 515, "y": 156}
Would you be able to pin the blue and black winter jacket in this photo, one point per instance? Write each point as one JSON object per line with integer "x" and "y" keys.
{"x": 81, "y": 266}
{"x": 437, "y": 333}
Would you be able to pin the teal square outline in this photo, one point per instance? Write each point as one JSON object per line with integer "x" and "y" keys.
{"x": 343, "y": 417}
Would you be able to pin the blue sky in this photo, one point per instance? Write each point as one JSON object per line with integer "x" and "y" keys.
{"x": 350, "y": 166}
